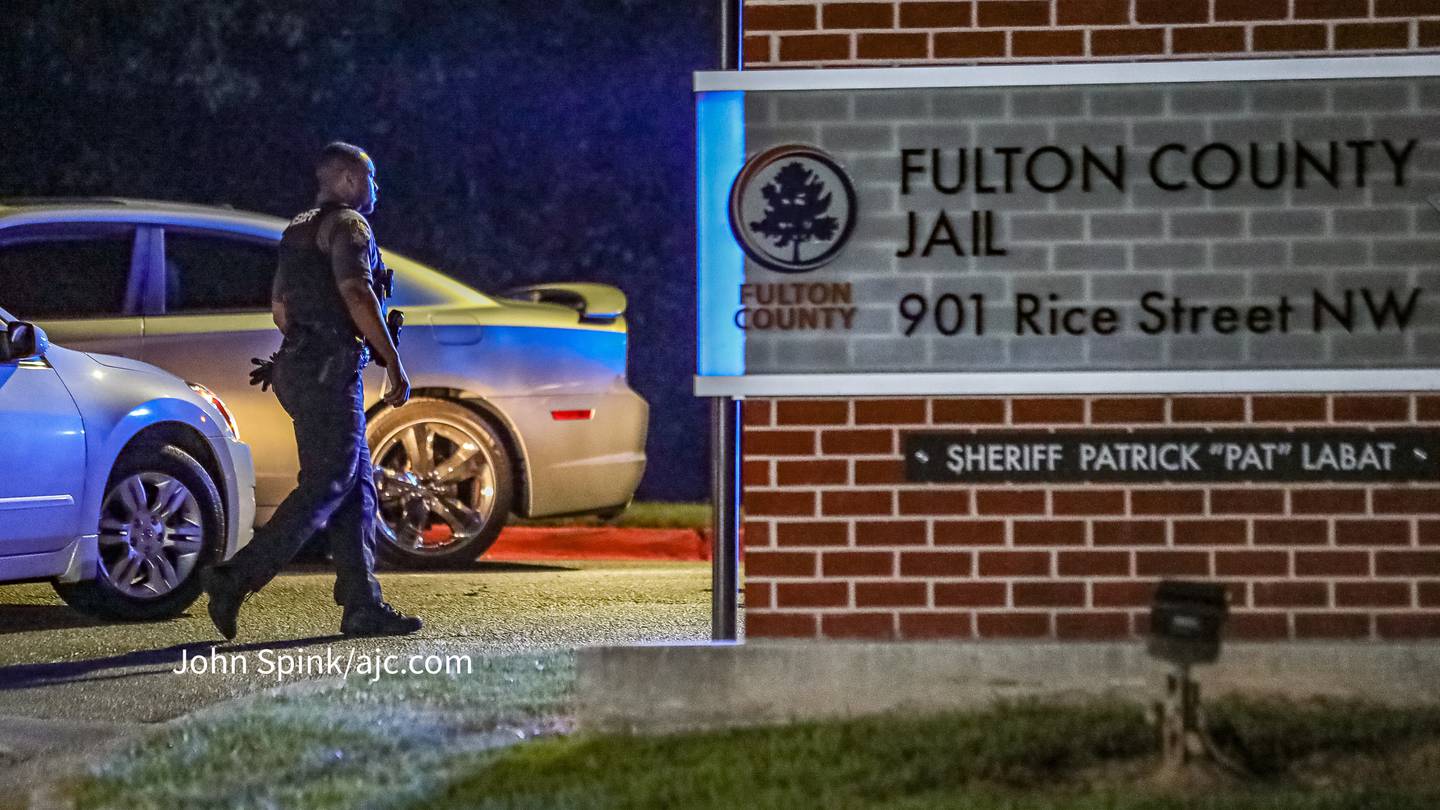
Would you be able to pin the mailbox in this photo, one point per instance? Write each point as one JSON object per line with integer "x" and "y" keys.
{"x": 1186, "y": 619}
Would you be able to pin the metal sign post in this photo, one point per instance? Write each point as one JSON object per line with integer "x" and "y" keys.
{"x": 725, "y": 520}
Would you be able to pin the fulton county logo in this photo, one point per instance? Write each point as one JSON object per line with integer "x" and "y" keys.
{"x": 792, "y": 209}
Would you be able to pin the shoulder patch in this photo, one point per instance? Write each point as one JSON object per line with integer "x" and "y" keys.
{"x": 356, "y": 229}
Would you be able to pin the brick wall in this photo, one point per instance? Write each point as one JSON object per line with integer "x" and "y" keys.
{"x": 838, "y": 546}
{"x": 880, "y": 32}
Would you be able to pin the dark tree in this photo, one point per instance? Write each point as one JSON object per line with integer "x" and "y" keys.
{"x": 797, "y": 199}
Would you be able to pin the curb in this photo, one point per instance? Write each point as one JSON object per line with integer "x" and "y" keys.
{"x": 601, "y": 543}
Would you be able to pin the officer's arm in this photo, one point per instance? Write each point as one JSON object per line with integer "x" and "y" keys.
{"x": 350, "y": 261}
{"x": 277, "y": 306}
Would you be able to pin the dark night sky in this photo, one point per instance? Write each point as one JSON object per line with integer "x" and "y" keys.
{"x": 517, "y": 142}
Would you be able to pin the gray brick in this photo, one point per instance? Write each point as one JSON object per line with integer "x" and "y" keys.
{"x": 1047, "y": 104}
{"x": 1371, "y": 96}
{"x": 1429, "y": 93}
{"x": 1197, "y": 99}
{"x": 1371, "y": 221}
{"x": 1329, "y": 128}
{"x": 821, "y": 353}
{"x": 1277, "y": 350}
{"x": 1048, "y": 227}
{"x": 1128, "y": 226}
{"x": 1287, "y": 223}
{"x": 1194, "y": 351}
{"x": 1124, "y": 353}
{"x": 1371, "y": 349}
{"x": 1070, "y": 287}
{"x": 1291, "y": 97}
{"x": 1046, "y": 352}
{"x": 1366, "y": 277}
{"x": 1207, "y": 223}
{"x": 1328, "y": 253}
{"x": 1156, "y": 133}
{"x": 1126, "y": 101}
{"x": 972, "y": 104}
{"x": 946, "y": 136}
{"x": 1090, "y": 257}
{"x": 758, "y": 139}
{"x": 1263, "y": 131}
{"x": 1096, "y": 135}
{"x": 974, "y": 354}
{"x": 885, "y": 354}
{"x": 1211, "y": 288}
{"x": 813, "y": 106}
{"x": 875, "y": 320}
{"x": 1240, "y": 196}
{"x": 1124, "y": 287}
{"x": 1258, "y": 256}
{"x": 1026, "y": 135}
{"x": 1292, "y": 284}
{"x": 890, "y": 106}
{"x": 877, "y": 199}
{"x": 857, "y": 138}
{"x": 1170, "y": 256}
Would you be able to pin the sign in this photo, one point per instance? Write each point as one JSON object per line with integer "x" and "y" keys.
{"x": 1218, "y": 218}
{"x": 1192, "y": 456}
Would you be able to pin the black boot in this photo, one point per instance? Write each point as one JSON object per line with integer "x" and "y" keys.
{"x": 378, "y": 620}
{"x": 226, "y": 597}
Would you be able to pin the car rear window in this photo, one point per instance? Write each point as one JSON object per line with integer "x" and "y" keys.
{"x": 58, "y": 273}
{"x": 207, "y": 272}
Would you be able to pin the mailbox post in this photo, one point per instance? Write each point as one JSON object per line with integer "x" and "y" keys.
{"x": 1186, "y": 620}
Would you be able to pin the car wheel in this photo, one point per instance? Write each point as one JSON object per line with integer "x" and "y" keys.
{"x": 161, "y": 521}
{"x": 445, "y": 481}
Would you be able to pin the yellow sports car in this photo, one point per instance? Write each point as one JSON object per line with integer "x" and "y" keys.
{"x": 520, "y": 404}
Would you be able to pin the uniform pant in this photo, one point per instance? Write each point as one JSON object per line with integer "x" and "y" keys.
{"x": 318, "y": 383}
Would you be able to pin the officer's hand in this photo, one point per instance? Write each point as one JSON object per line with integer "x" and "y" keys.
{"x": 398, "y": 385}
{"x": 263, "y": 374}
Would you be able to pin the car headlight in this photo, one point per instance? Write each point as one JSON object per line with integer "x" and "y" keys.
{"x": 219, "y": 405}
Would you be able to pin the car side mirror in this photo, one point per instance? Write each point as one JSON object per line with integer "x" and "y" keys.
{"x": 24, "y": 340}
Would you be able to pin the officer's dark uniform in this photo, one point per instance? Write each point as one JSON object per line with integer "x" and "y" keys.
{"x": 317, "y": 379}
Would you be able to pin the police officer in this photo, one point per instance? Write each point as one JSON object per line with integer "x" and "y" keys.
{"x": 324, "y": 300}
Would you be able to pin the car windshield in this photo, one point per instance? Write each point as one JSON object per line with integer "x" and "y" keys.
{"x": 5, "y": 317}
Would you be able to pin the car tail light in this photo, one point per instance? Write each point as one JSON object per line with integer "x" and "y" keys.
{"x": 573, "y": 416}
{"x": 218, "y": 404}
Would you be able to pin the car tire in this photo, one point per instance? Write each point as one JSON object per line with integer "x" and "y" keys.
{"x": 188, "y": 538}
{"x": 426, "y": 520}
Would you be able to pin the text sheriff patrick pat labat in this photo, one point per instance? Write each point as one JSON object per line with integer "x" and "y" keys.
{"x": 282, "y": 665}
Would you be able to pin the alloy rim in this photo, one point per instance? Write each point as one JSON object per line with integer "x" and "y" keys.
{"x": 151, "y": 535}
{"x": 436, "y": 481}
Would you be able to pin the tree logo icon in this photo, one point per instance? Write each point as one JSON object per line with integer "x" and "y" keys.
{"x": 792, "y": 209}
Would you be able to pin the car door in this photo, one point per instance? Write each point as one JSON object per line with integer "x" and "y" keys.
{"x": 79, "y": 281}
{"x": 215, "y": 317}
{"x": 40, "y": 434}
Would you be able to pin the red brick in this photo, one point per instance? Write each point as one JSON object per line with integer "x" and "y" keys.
{"x": 1093, "y": 563}
{"x": 1207, "y": 409}
{"x": 814, "y": 47}
{"x": 970, "y": 594}
{"x": 758, "y": 595}
{"x": 1291, "y": 533}
{"x": 941, "y": 502}
{"x": 1252, "y": 563}
{"x": 858, "y": 625}
{"x": 1167, "y": 501}
{"x": 1372, "y": 594}
{"x": 1088, "y": 502}
{"x": 936, "y": 15}
{"x": 1092, "y": 12}
{"x": 778, "y": 443}
{"x": 1208, "y": 39}
{"x": 1172, "y": 563}
{"x": 1092, "y": 626}
{"x": 812, "y": 412}
{"x": 1289, "y": 409}
{"x": 1289, "y": 37}
{"x": 890, "y": 533}
{"x": 811, "y": 471}
{"x": 1332, "y": 563}
{"x": 969, "y": 45}
{"x": 857, "y": 502}
{"x": 1247, "y": 501}
{"x": 757, "y": 50}
{"x": 1251, "y": 9}
{"x": 971, "y": 411}
{"x": 1429, "y": 593}
{"x": 1332, "y": 625}
{"x": 892, "y": 46}
{"x": 1123, "y": 594}
{"x": 936, "y": 625}
{"x": 1014, "y": 13}
{"x": 790, "y": 17}
{"x": 1430, "y": 532}
{"x": 1047, "y": 411}
{"x": 879, "y": 472}
{"x": 1048, "y": 594}
{"x": 755, "y": 474}
{"x": 1372, "y": 409}
{"x": 759, "y": 504}
{"x": 857, "y": 442}
{"x": 1014, "y": 563}
{"x": 1408, "y": 625}
{"x": 858, "y": 563}
{"x": 1405, "y": 8}
{"x": 890, "y": 411}
{"x": 1011, "y": 624}
{"x": 1427, "y": 408}
{"x": 970, "y": 533}
{"x": 1048, "y": 533}
{"x": 756, "y": 534}
{"x": 1210, "y": 532}
{"x": 1429, "y": 34}
{"x": 1291, "y": 594}
{"x": 1129, "y": 410}
{"x": 1407, "y": 563}
{"x": 889, "y": 594}
{"x": 1414, "y": 501}
{"x": 755, "y": 412}
{"x": 1331, "y": 9}
{"x": 765, "y": 624}
{"x": 812, "y": 533}
{"x": 1172, "y": 11}
{"x": 1127, "y": 41}
{"x": 779, "y": 563}
{"x": 1010, "y": 501}
{"x": 1257, "y": 626}
{"x": 1372, "y": 533}
{"x": 1327, "y": 501}
{"x": 858, "y": 15}
{"x": 936, "y": 563}
{"x": 812, "y": 594}
{"x": 1128, "y": 533}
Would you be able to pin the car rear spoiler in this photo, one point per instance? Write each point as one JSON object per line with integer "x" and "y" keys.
{"x": 596, "y": 303}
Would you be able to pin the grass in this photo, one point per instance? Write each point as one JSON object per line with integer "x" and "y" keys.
{"x": 640, "y": 515}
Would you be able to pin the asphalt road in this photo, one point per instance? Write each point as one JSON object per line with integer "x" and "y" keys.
{"x": 55, "y": 663}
